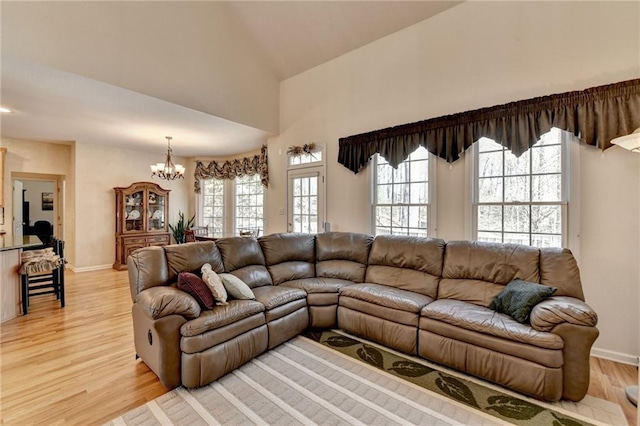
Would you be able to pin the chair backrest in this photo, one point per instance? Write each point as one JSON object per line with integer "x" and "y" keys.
{"x": 200, "y": 230}
{"x": 44, "y": 230}
{"x": 189, "y": 236}
{"x": 58, "y": 247}
{"x": 249, "y": 232}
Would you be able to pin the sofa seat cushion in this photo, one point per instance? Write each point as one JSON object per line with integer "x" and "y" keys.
{"x": 386, "y": 296}
{"x": 274, "y": 296}
{"x": 318, "y": 285}
{"x": 484, "y": 320}
{"x": 221, "y": 316}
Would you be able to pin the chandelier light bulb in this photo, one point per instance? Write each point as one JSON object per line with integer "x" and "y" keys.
{"x": 168, "y": 170}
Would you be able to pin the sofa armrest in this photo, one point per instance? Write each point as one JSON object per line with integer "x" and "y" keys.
{"x": 562, "y": 309}
{"x": 158, "y": 302}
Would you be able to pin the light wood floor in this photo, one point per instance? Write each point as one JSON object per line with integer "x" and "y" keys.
{"x": 76, "y": 365}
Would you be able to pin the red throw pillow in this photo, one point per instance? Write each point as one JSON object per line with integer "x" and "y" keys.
{"x": 197, "y": 288}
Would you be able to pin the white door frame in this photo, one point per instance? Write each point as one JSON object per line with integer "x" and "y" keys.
{"x": 59, "y": 204}
{"x": 301, "y": 172}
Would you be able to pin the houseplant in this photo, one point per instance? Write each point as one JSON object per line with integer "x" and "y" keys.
{"x": 180, "y": 228}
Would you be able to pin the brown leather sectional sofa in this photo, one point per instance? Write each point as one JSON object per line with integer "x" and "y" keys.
{"x": 417, "y": 295}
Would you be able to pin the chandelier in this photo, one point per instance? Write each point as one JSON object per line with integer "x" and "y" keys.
{"x": 168, "y": 170}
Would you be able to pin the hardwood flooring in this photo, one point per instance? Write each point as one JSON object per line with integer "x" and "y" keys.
{"x": 77, "y": 365}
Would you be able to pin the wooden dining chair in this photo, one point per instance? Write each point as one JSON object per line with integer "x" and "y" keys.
{"x": 200, "y": 230}
{"x": 42, "y": 272}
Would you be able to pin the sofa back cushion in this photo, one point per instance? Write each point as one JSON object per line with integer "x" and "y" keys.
{"x": 147, "y": 268}
{"x": 476, "y": 271}
{"x": 242, "y": 256}
{"x": 558, "y": 268}
{"x": 289, "y": 256}
{"x": 409, "y": 263}
{"x": 190, "y": 257}
{"x": 342, "y": 255}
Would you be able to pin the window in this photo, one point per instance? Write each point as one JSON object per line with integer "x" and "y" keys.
{"x": 249, "y": 204}
{"x": 401, "y": 196}
{"x": 315, "y": 157}
{"x": 229, "y": 207}
{"x": 521, "y": 200}
{"x": 213, "y": 205}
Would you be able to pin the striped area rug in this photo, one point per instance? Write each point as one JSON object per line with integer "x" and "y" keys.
{"x": 304, "y": 381}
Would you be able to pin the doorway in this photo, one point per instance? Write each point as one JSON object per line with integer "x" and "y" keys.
{"x": 306, "y": 200}
{"x": 37, "y": 198}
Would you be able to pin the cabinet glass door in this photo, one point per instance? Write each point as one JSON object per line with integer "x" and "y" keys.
{"x": 156, "y": 209}
{"x": 134, "y": 211}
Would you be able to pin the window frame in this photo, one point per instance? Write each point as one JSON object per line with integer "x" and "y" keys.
{"x": 229, "y": 208}
{"x": 570, "y": 193}
{"x": 431, "y": 229}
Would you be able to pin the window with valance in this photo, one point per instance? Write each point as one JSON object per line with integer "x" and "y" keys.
{"x": 231, "y": 199}
{"x": 247, "y": 166}
{"x": 595, "y": 115}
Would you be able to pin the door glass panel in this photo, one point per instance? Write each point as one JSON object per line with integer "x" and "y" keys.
{"x": 304, "y": 204}
{"x": 155, "y": 205}
{"x": 134, "y": 212}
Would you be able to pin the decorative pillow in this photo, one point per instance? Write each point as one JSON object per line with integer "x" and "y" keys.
{"x": 519, "y": 297}
{"x": 236, "y": 287}
{"x": 193, "y": 285}
{"x": 212, "y": 280}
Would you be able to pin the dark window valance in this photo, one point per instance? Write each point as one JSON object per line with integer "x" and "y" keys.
{"x": 595, "y": 115}
{"x": 235, "y": 168}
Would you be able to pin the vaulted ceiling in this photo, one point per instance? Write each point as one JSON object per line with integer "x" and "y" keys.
{"x": 206, "y": 73}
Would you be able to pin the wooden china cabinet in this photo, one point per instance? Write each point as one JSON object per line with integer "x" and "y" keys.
{"x": 142, "y": 210}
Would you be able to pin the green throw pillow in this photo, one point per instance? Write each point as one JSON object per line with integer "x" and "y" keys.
{"x": 519, "y": 297}
{"x": 236, "y": 287}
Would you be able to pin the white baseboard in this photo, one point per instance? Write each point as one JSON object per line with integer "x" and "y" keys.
{"x": 89, "y": 268}
{"x": 615, "y": 356}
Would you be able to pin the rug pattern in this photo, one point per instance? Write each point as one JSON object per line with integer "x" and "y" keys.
{"x": 515, "y": 410}
{"x": 315, "y": 382}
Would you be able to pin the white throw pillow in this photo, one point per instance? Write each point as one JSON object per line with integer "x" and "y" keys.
{"x": 236, "y": 287}
{"x": 212, "y": 280}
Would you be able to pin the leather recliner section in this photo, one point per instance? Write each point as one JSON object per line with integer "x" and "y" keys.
{"x": 342, "y": 255}
{"x": 373, "y": 311}
{"x": 558, "y": 268}
{"x": 389, "y": 333}
{"x": 285, "y": 312}
{"x": 242, "y": 256}
{"x": 286, "y": 327}
{"x": 201, "y": 368}
{"x": 405, "y": 262}
{"x": 522, "y": 375}
{"x": 341, "y": 260}
{"x": 147, "y": 268}
{"x": 191, "y": 256}
{"x": 157, "y": 342}
{"x": 289, "y": 256}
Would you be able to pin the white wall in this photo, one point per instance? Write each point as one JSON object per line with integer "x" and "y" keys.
{"x": 92, "y": 171}
{"x": 99, "y": 169}
{"x": 42, "y": 158}
{"x": 193, "y": 54}
{"x": 475, "y": 55}
{"x": 33, "y": 195}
